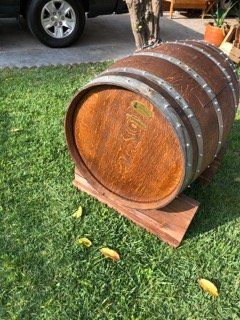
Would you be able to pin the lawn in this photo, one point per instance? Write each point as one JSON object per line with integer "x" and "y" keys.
{"x": 45, "y": 275}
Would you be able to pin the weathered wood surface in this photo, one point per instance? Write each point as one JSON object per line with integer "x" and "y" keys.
{"x": 144, "y": 148}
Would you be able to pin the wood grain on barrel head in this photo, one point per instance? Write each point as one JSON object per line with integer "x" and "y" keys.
{"x": 128, "y": 146}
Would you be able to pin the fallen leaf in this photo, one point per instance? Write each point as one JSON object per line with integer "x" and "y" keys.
{"x": 111, "y": 254}
{"x": 208, "y": 286}
{"x": 84, "y": 242}
{"x": 15, "y": 130}
{"x": 78, "y": 213}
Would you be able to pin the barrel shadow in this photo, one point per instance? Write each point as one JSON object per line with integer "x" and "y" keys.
{"x": 173, "y": 30}
{"x": 220, "y": 200}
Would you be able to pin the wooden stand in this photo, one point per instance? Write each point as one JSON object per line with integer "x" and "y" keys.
{"x": 169, "y": 223}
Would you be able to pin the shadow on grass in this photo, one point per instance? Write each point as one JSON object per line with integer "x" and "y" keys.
{"x": 5, "y": 125}
{"x": 16, "y": 184}
{"x": 220, "y": 200}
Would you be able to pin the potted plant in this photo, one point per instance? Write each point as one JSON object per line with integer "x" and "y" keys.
{"x": 215, "y": 31}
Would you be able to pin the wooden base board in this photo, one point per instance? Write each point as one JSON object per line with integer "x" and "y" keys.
{"x": 169, "y": 223}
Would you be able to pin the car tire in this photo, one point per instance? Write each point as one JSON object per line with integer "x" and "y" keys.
{"x": 56, "y": 23}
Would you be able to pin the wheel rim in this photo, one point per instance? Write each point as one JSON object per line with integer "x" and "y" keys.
{"x": 58, "y": 19}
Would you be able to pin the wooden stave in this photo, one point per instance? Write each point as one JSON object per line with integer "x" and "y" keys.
{"x": 225, "y": 122}
{"x": 221, "y": 61}
{"x": 224, "y": 61}
{"x": 225, "y": 69}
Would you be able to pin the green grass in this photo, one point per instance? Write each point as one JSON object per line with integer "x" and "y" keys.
{"x": 45, "y": 275}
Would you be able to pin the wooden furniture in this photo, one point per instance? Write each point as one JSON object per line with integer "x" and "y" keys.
{"x": 204, "y": 5}
{"x": 211, "y": 4}
{"x": 152, "y": 123}
{"x": 231, "y": 44}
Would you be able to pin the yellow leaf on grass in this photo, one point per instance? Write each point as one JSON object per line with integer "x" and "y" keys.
{"x": 15, "y": 130}
{"x": 111, "y": 254}
{"x": 208, "y": 286}
{"x": 84, "y": 242}
{"x": 78, "y": 213}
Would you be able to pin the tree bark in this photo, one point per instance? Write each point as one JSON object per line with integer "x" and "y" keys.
{"x": 145, "y": 15}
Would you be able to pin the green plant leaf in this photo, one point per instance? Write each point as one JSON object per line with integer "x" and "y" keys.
{"x": 220, "y": 15}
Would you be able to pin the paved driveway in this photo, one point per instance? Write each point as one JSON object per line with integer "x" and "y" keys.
{"x": 104, "y": 38}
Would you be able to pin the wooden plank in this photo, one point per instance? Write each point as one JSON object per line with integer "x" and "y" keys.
{"x": 235, "y": 55}
{"x": 230, "y": 35}
{"x": 230, "y": 44}
{"x": 169, "y": 224}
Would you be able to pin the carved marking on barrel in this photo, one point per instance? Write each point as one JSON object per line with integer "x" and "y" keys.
{"x": 154, "y": 98}
{"x": 141, "y": 109}
{"x": 138, "y": 120}
{"x": 135, "y": 121}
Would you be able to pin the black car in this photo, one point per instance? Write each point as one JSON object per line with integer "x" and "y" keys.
{"x": 58, "y": 23}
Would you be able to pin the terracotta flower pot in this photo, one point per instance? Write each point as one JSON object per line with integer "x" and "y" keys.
{"x": 214, "y": 35}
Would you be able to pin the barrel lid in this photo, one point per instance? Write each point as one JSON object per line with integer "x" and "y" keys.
{"x": 126, "y": 148}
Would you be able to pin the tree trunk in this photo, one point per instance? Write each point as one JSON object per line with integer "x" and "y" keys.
{"x": 145, "y": 15}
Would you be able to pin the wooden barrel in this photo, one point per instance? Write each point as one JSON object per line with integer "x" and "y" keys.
{"x": 144, "y": 129}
